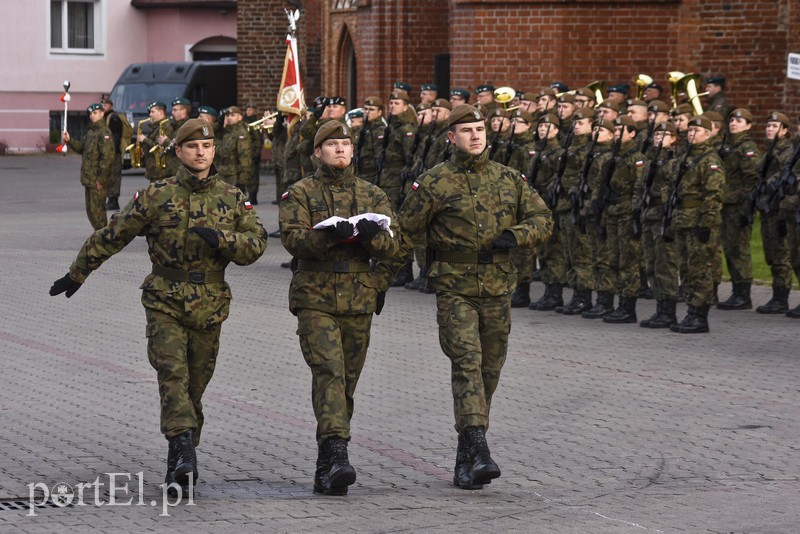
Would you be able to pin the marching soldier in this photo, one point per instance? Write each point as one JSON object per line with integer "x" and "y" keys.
{"x": 195, "y": 225}
{"x": 97, "y": 160}
{"x": 332, "y": 292}
{"x": 740, "y": 156}
{"x": 278, "y": 137}
{"x": 155, "y": 160}
{"x": 236, "y": 150}
{"x": 369, "y": 144}
{"x": 181, "y": 110}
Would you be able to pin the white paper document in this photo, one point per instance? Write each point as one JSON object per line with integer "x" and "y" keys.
{"x": 384, "y": 221}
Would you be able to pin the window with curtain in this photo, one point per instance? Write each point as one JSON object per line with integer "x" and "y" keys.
{"x": 73, "y": 25}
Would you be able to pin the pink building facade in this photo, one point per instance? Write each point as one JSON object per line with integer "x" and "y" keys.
{"x": 89, "y": 43}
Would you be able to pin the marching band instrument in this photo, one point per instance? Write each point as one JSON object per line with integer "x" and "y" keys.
{"x": 136, "y": 148}
{"x": 673, "y": 77}
{"x": 689, "y": 84}
{"x": 642, "y": 81}
{"x": 159, "y": 151}
{"x": 504, "y": 96}
{"x": 598, "y": 87}
{"x": 258, "y": 124}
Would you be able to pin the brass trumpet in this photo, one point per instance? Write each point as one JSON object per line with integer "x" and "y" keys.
{"x": 258, "y": 124}
{"x": 673, "y": 77}
{"x": 135, "y": 149}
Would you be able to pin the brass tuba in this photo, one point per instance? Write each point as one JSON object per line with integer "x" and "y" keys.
{"x": 598, "y": 87}
{"x": 673, "y": 77}
{"x": 689, "y": 84}
{"x": 136, "y": 148}
{"x": 642, "y": 81}
{"x": 504, "y": 96}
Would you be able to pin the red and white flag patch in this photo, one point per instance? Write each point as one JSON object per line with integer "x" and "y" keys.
{"x": 524, "y": 178}
{"x": 415, "y": 186}
{"x": 750, "y": 153}
{"x": 284, "y": 196}
{"x": 409, "y": 134}
{"x": 640, "y": 163}
{"x": 247, "y": 205}
{"x": 714, "y": 167}
{"x": 136, "y": 196}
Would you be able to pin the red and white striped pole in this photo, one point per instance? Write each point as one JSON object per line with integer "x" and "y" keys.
{"x": 62, "y": 148}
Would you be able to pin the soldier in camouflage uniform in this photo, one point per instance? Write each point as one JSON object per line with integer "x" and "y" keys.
{"x": 195, "y": 225}
{"x": 499, "y": 135}
{"x": 326, "y": 109}
{"x": 333, "y": 292}
{"x": 717, "y": 101}
{"x": 458, "y": 97}
{"x": 159, "y": 136}
{"x": 790, "y": 209}
{"x": 740, "y": 156}
{"x": 484, "y": 95}
{"x": 369, "y": 143}
{"x": 471, "y": 211}
{"x": 565, "y": 107}
{"x": 114, "y": 123}
{"x": 697, "y": 189}
{"x": 619, "y": 95}
{"x": 660, "y": 255}
{"x": 278, "y": 137}
{"x": 97, "y": 159}
{"x": 181, "y": 111}
{"x": 253, "y": 184}
{"x": 438, "y": 152}
{"x": 294, "y": 169}
{"x": 774, "y": 226}
{"x": 235, "y": 150}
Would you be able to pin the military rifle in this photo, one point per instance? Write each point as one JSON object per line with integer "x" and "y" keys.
{"x": 761, "y": 185}
{"x": 644, "y": 201}
{"x": 579, "y": 199}
{"x": 537, "y": 160}
{"x": 510, "y": 146}
{"x": 380, "y": 158}
{"x": 419, "y": 167}
{"x": 724, "y": 149}
{"x": 495, "y": 139}
{"x": 648, "y": 141}
{"x": 672, "y": 203}
{"x": 786, "y": 180}
{"x": 365, "y": 131}
{"x": 605, "y": 188}
{"x": 555, "y": 190}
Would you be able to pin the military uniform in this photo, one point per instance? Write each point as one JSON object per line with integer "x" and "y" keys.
{"x": 173, "y": 163}
{"x": 155, "y": 163}
{"x": 741, "y": 157}
{"x": 294, "y": 169}
{"x": 236, "y": 155}
{"x": 278, "y": 138}
{"x": 97, "y": 159}
{"x": 790, "y": 211}
{"x": 114, "y": 123}
{"x": 256, "y": 144}
{"x": 400, "y": 139}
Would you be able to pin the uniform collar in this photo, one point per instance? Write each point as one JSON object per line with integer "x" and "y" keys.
{"x": 192, "y": 182}
{"x": 465, "y": 161}
{"x": 332, "y": 175}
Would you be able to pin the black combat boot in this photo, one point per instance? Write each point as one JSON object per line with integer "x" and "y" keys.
{"x": 253, "y": 198}
{"x": 625, "y": 312}
{"x": 420, "y": 281}
{"x": 482, "y": 469}
{"x": 794, "y": 313}
{"x": 645, "y": 292}
{"x": 603, "y": 306}
{"x": 336, "y": 473}
{"x": 664, "y": 316}
{"x": 572, "y": 302}
{"x": 185, "y": 458}
{"x": 681, "y": 294}
{"x": 521, "y": 297}
{"x": 696, "y": 322}
{"x": 552, "y": 298}
{"x": 779, "y": 303}
{"x": 461, "y": 475}
{"x": 582, "y": 302}
{"x": 715, "y": 298}
{"x": 404, "y": 276}
{"x": 739, "y": 299}
{"x": 112, "y": 204}
{"x": 535, "y": 305}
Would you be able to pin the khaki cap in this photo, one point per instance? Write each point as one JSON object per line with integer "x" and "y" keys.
{"x": 701, "y": 121}
{"x": 658, "y": 106}
{"x": 777, "y": 116}
{"x": 665, "y": 126}
{"x": 233, "y": 109}
{"x": 608, "y": 104}
{"x": 637, "y": 102}
{"x": 332, "y": 130}
{"x": 524, "y": 115}
{"x": 624, "y": 120}
{"x": 568, "y": 98}
{"x": 549, "y": 118}
{"x": 442, "y": 103}
{"x": 399, "y": 94}
{"x": 683, "y": 109}
{"x": 713, "y": 116}
{"x": 193, "y": 130}
{"x": 607, "y": 124}
{"x": 583, "y": 113}
{"x": 741, "y": 113}
{"x": 373, "y": 101}
{"x": 463, "y": 114}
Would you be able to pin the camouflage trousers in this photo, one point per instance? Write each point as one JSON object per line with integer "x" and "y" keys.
{"x": 184, "y": 359}
{"x": 473, "y": 333}
{"x": 335, "y": 348}
{"x": 661, "y": 261}
{"x": 578, "y": 253}
{"x": 420, "y": 256}
{"x": 793, "y": 233}
{"x": 698, "y": 283}
{"x": 551, "y": 256}
{"x": 736, "y": 243}
{"x": 524, "y": 259}
{"x": 96, "y": 207}
{"x": 775, "y": 236}
{"x": 279, "y": 185}
{"x": 255, "y": 175}
{"x": 113, "y": 190}
{"x": 618, "y": 258}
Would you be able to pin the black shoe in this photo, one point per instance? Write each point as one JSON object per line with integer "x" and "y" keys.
{"x": 552, "y": 298}
{"x": 483, "y": 469}
{"x": 185, "y": 458}
{"x": 286, "y": 265}
{"x": 696, "y": 321}
{"x": 276, "y": 233}
{"x": 334, "y": 472}
{"x": 739, "y": 299}
{"x": 419, "y": 282}
{"x": 625, "y": 312}
{"x": 521, "y": 297}
{"x": 404, "y": 276}
{"x": 664, "y": 316}
{"x": 681, "y": 294}
{"x": 112, "y": 204}
{"x": 462, "y": 477}
{"x": 779, "y": 303}
{"x": 603, "y": 306}
{"x": 427, "y": 289}
{"x": 646, "y": 293}
{"x": 537, "y": 275}
{"x": 581, "y": 302}
{"x": 794, "y": 313}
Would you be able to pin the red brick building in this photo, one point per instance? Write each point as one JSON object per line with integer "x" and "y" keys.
{"x": 356, "y": 48}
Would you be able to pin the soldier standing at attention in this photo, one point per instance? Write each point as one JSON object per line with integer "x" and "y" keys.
{"x": 471, "y": 211}
{"x": 97, "y": 159}
{"x": 181, "y": 109}
{"x": 740, "y": 156}
{"x": 370, "y": 140}
{"x": 428, "y": 92}
{"x": 195, "y": 225}
{"x": 485, "y": 99}
{"x": 250, "y": 116}
{"x": 458, "y": 97}
{"x": 114, "y": 123}
{"x": 235, "y": 151}
{"x": 332, "y": 292}
{"x": 155, "y": 167}
{"x": 695, "y": 223}
{"x": 717, "y": 101}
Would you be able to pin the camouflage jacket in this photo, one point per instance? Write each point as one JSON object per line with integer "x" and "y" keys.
{"x": 664, "y": 171}
{"x": 720, "y": 104}
{"x": 576, "y": 156}
{"x": 97, "y": 151}
{"x": 781, "y": 154}
{"x": 236, "y": 154}
{"x": 461, "y": 206}
{"x": 173, "y": 163}
{"x": 164, "y": 212}
{"x": 152, "y": 170}
{"x": 401, "y": 132}
{"x": 594, "y": 175}
{"x": 740, "y": 156}
{"x": 313, "y": 199}
{"x": 369, "y": 146}
{"x": 439, "y": 144}
{"x": 627, "y": 173}
{"x": 291, "y": 156}
{"x": 699, "y": 190}
{"x": 547, "y": 167}
{"x": 521, "y": 149}
{"x": 277, "y": 137}
{"x": 498, "y": 145}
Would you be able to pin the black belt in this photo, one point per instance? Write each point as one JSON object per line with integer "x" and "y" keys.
{"x": 334, "y": 266}
{"x": 193, "y": 277}
{"x": 450, "y": 256}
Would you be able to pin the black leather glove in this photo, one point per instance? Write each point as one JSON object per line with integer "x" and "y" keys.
{"x": 381, "y": 302}
{"x": 504, "y": 241}
{"x": 343, "y": 230}
{"x": 209, "y": 235}
{"x": 367, "y": 229}
{"x": 703, "y": 234}
{"x": 65, "y": 285}
{"x": 320, "y": 103}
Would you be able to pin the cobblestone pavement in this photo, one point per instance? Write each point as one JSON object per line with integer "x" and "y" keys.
{"x": 597, "y": 428}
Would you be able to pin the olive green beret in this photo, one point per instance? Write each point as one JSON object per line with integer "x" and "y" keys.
{"x": 701, "y": 121}
{"x": 658, "y": 106}
{"x": 484, "y": 88}
{"x": 624, "y": 120}
{"x": 713, "y": 116}
{"x": 193, "y": 130}
{"x": 442, "y": 103}
{"x": 157, "y": 104}
{"x": 462, "y": 93}
{"x": 741, "y": 113}
{"x": 94, "y": 107}
{"x": 665, "y": 126}
{"x": 399, "y": 94}
{"x": 524, "y": 115}
{"x": 428, "y": 87}
{"x": 569, "y": 98}
{"x": 777, "y": 116}
{"x": 463, "y": 114}
{"x": 683, "y": 109}
{"x": 181, "y": 101}
{"x": 373, "y": 101}
{"x": 403, "y": 86}
{"x": 637, "y": 102}
{"x": 583, "y": 113}
{"x": 332, "y": 130}
{"x": 608, "y": 125}
{"x": 608, "y": 104}
{"x": 549, "y": 118}
{"x": 208, "y": 110}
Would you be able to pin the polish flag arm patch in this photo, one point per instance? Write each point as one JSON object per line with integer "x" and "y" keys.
{"x": 247, "y": 205}
{"x": 640, "y": 163}
{"x": 750, "y": 153}
{"x": 284, "y": 196}
{"x": 136, "y": 196}
{"x": 409, "y": 134}
{"x": 415, "y": 186}
{"x": 524, "y": 178}
{"x": 714, "y": 167}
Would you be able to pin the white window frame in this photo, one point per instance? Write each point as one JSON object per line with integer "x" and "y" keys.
{"x": 99, "y": 30}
